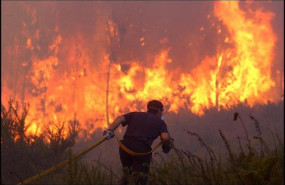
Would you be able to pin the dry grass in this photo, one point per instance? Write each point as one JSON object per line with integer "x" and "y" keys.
{"x": 255, "y": 162}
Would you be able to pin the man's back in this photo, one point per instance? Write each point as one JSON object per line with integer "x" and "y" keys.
{"x": 142, "y": 129}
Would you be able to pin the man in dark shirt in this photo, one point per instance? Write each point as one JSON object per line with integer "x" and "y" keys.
{"x": 143, "y": 128}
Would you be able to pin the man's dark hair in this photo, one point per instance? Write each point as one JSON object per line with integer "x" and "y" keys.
{"x": 154, "y": 106}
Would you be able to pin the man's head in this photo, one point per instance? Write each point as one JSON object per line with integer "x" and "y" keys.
{"x": 155, "y": 107}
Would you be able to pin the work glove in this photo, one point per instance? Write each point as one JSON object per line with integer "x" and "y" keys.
{"x": 108, "y": 134}
{"x": 167, "y": 146}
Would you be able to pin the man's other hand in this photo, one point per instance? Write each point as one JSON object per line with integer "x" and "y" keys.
{"x": 166, "y": 148}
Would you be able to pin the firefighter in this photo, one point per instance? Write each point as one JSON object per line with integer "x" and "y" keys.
{"x": 142, "y": 129}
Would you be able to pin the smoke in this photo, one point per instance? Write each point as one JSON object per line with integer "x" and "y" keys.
{"x": 162, "y": 25}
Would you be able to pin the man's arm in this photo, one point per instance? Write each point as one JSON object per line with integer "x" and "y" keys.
{"x": 116, "y": 123}
{"x": 167, "y": 142}
{"x": 108, "y": 134}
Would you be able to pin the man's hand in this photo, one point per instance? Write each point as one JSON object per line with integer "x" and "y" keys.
{"x": 166, "y": 147}
{"x": 108, "y": 134}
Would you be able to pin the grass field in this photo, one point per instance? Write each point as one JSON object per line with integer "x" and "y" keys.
{"x": 258, "y": 159}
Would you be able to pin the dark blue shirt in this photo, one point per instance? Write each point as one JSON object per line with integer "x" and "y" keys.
{"x": 143, "y": 126}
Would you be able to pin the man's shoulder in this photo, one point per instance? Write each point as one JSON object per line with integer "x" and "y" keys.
{"x": 135, "y": 113}
{"x": 146, "y": 116}
{"x": 140, "y": 114}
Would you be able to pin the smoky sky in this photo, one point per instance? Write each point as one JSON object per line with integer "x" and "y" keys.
{"x": 162, "y": 25}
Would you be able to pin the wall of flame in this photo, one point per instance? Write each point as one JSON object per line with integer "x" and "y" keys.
{"x": 93, "y": 71}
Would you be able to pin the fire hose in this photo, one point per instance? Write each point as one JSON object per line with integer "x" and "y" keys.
{"x": 135, "y": 153}
{"x": 63, "y": 163}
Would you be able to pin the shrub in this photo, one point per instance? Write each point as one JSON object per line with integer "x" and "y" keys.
{"x": 23, "y": 156}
